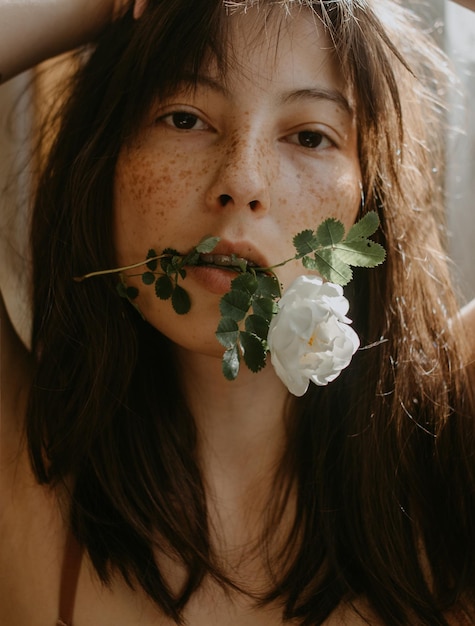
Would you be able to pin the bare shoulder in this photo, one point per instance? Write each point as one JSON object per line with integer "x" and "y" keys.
{"x": 31, "y": 529}
{"x": 14, "y": 388}
{"x": 15, "y": 368}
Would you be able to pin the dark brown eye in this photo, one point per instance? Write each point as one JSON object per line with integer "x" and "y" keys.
{"x": 184, "y": 120}
{"x": 310, "y": 139}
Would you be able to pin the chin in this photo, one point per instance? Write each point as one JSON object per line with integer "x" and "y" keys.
{"x": 193, "y": 331}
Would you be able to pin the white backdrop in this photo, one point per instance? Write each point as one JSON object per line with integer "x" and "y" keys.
{"x": 460, "y": 45}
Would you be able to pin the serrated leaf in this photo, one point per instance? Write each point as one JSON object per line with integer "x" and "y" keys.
{"x": 208, "y": 244}
{"x": 176, "y": 262}
{"x": 310, "y": 263}
{"x": 257, "y": 325}
{"x": 166, "y": 263}
{"x": 163, "y": 287}
{"x": 132, "y": 292}
{"x": 267, "y": 286}
{"x": 152, "y": 265}
{"x": 367, "y": 226}
{"x": 227, "y": 332}
{"x": 254, "y": 352}
{"x": 170, "y": 252}
{"x": 332, "y": 268}
{"x": 230, "y": 363}
{"x": 238, "y": 262}
{"x": 330, "y": 232}
{"x": 192, "y": 258}
{"x": 265, "y": 307}
{"x": 362, "y": 253}
{"x": 148, "y": 278}
{"x": 235, "y": 304}
{"x": 245, "y": 282}
{"x": 305, "y": 242}
{"x": 180, "y": 300}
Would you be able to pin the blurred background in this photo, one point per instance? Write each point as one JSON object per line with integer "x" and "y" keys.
{"x": 22, "y": 100}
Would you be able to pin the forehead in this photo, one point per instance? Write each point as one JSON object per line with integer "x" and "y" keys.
{"x": 277, "y": 45}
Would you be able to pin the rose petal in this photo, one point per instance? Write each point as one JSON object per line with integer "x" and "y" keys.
{"x": 309, "y": 338}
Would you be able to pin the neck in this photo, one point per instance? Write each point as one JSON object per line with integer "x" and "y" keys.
{"x": 242, "y": 435}
{"x": 240, "y": 423}
{"x": 232, "y": 415}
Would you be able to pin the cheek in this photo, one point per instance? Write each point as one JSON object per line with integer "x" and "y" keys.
{"x": 150, "y": 198}
{"x": 338, "y": 196}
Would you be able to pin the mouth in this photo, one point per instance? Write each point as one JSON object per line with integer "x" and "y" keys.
{"x": 231, "y": 262}
{"x": 237, "y": 257}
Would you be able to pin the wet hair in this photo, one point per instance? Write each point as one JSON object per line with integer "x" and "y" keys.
{"x": 382, "y": 459}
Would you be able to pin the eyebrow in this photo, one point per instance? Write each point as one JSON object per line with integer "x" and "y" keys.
{"x": 318, "y": 93}
{"x": 311, "y": 93}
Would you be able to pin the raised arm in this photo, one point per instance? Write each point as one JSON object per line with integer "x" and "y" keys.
{"x": 34, "y": 30}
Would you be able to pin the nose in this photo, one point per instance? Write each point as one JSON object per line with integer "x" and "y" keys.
{"x": 243, "y": 175}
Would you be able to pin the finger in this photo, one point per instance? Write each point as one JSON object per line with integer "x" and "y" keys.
{"x": 139, "y": 8}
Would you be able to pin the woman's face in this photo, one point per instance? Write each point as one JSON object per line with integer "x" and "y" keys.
{"x": 255, "y": 159}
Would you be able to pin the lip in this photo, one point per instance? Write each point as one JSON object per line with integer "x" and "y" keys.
{"x": 242, "y": 249}
{"x": 218, "y": 280}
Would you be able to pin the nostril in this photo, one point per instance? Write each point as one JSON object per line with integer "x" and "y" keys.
{"x": 253, "y": 204}
{"x": 224, "y": 199}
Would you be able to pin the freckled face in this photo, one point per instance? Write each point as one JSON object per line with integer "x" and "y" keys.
{"x": 254, "y": 161}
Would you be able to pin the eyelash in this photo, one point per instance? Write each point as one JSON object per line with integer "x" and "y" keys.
{"x": 303, "y": 138}
{"x": 170, "y": 120}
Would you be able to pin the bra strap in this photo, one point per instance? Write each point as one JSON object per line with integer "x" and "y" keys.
{"x": 69, "y": 579}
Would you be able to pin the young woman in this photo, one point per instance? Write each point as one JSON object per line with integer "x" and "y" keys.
{"x": 138, "y": 484}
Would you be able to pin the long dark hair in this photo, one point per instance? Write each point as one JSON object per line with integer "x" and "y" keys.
{"x": 382, "y": 459}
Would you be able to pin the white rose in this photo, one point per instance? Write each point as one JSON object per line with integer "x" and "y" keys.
{"x": 309, "y": 337}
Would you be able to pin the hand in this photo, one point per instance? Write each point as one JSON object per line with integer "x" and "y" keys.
{"x": 120, "y": 5}
{"x": 31, "y": 32}
{"x": 139, "y": 7}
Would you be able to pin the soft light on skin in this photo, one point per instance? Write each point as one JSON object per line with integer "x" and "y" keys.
{"x": 254, "y": 161}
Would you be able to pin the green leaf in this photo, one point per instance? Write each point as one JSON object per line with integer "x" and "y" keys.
{"x": 254, "y": 352}
{"x": 230, "y": 364}
{"x": 148, "y": 278}
{"x": 235, "y": 304}
{"x": 181, "y": 300}
{"x": 132, "y": 292}
{"x": 305, "y": 242}
{"x": 152, "y": 265}
{"x": 166, "y": 261}
{"x": 245, "y": 282}
{"x": 192, "y": 258}
{"x": 257, "y": 325}
{"x": 175, "y": 265}
{"x": 311, "y": 263}
{"x": 265, "y": 307}
{"x": 367, "y": 226}
{"x": 268, "y": 286}
{"x": 163, "y": 287}
{"x": 207, "y": 244}
{"x": 332, "y": 268}
{"x": 362, "y": 253}
{"x": 330, "y": 232}
{"x": 227, "y": 332}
